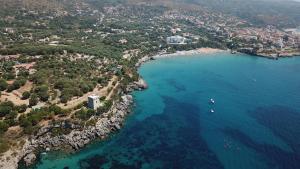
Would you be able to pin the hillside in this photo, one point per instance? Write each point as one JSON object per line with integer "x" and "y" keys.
{"x": 261, "y": 12}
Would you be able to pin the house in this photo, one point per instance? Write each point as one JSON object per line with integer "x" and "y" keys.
{"x": 9, "y": 30}
{"x": 94, "y": 102}
{"x": 176, "y": 40}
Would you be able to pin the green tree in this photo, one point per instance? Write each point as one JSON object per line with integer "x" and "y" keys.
{"x": 17, "y": 84}
{"x": 64, "y": 98}
{"x": 9, "y": 76}
{"x": 10, "y": 118}
{"x": 106, "y": 106}
{"x": 25, "y": 95}
{"x": 22, "y": 108}
{"x": 10, "y": 88}
{"x": 33, "y": 100}
{"x": 4, "y": 145}
{"x": 3, "y": 127}
{"x": 42, "y": 92}
{"x": 3, "y": 85}
{"x": 6, "y": 108}
{"x": 84, "y": 114}
{"x": 57, "y": 110}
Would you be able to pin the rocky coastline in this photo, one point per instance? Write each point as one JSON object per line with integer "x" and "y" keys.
{"x": 79, "y": 136}
{"x": 270, "y": 55}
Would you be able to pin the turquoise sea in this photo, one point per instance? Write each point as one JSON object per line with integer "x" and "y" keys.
{"x": 255, "y": 123}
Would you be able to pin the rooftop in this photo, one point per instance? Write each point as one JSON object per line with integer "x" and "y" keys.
{"x": 94, "y": 97}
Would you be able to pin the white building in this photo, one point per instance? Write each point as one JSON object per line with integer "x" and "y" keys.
{"x": 94, "y": 102}
{"x": 176, "y": 40}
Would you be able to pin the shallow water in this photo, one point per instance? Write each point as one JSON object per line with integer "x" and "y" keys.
{"x": 255, "y": 124}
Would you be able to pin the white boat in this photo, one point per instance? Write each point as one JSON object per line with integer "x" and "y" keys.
{"x": 212, "y": 101}
{"x": 212, "y": 111}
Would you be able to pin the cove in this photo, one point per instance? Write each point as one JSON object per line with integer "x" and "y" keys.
{"x": 255, "y": 123}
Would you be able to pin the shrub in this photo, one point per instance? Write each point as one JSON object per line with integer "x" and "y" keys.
{"x": 106, "y": 106}
{"x": 84, "y": 114}
{"x": 9, "y": 76}
{"x": 22, "y": 108}
{"x": 4, "y": 145}
{"x": 33, "y": 100}
{"x": 3, "y": 127}
{"x": 31, "y": 129}
{"x": 6, "y": 108}
{"x": 44, "y": 96}
{"x": 57, "y": 110}
{"x": 25, "y": 95}
{"x": 64, "y": 98}
{"x": 10, "y": 118}
{"x": 3, "y": 85}
{"x": 17, "y": 84}
{"x": 10, "y": 88}
{"x": 42, "y": 92}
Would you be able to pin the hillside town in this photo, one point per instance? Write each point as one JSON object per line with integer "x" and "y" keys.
{"x": 242, "y": 36}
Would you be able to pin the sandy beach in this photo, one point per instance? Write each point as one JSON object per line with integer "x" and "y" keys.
{"x": 190, "y": 52}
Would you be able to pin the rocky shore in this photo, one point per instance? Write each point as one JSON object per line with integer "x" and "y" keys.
{"x": 143, "y": 60}
{"x": 278, "y": 55}
{"x": 269, "y": 55}
{"x": 78, "y": 137}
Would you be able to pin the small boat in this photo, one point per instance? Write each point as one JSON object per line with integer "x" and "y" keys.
{"x": 44, "y": 153}
{"x": 212, "y": 101}
{"x": 212, "y": 111}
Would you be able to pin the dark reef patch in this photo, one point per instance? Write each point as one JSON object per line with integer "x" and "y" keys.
{"x": 170, "y": 140}
{"x": 284, "y": 123}
{"x": 274, "y": 156}
{"x": 174, "y": 83}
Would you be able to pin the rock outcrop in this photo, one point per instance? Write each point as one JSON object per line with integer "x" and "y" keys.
{"x": 143, "y": 60}
{"x": 30, "y": 158}
{"x": 139, "y": 85}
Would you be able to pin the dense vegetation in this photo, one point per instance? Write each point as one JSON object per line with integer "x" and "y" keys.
{"x": 9, "y": 112}
{"x": 31, "y": 120}
{"x": 71, "y": 78}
